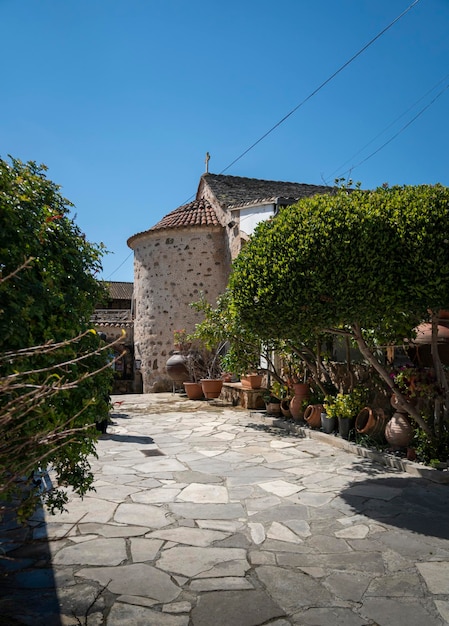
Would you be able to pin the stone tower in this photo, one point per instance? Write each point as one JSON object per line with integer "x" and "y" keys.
{"x": 182, "y": 256}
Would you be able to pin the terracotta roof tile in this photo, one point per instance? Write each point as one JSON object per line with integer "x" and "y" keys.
{"x": 197, "y": 213}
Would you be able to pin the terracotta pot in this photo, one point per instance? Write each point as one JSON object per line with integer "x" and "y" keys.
{"x": 399, "y": 431}
{"x": 302, "y": 392}
{"x": 211, "y": 387}
{"x": 301, "y": 389}
{"x": 251, "y": 381}
{"x": 394, "y": 401}
{"x": 194, "y": 391}
{"x": 312, "y": 415}
{"x": 285, "y": 407}
{"x": 274, "y": 408}
{"x": 371, "y": 422}
{"x": 328, "y": 424}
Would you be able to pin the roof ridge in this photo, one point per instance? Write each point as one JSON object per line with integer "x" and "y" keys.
{"x": 237, "y": 191}
{"x": 265, "y": 180}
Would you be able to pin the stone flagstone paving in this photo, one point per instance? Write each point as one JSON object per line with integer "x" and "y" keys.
{"x": 211, "y": 516}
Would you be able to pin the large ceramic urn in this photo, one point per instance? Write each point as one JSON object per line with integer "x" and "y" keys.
{"x": 399, "y": 431}
{"x": 301, "y": 393}
{"x": 176, "y": 368}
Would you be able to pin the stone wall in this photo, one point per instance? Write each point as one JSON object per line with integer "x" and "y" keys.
{"x": 172, "y": 267}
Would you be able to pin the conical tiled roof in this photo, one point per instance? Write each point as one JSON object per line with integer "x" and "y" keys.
{"x": 197, "y": 213}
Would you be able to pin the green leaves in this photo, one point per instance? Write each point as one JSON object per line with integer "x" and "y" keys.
{"x": 48, "y": 298}
{"x": 367, "y": 257}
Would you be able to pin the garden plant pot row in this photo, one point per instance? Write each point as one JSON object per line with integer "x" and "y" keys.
{"x": 206, "y": 388}
{"x": 397, "y": 430}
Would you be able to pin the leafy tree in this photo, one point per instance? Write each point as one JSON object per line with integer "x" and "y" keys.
{"x": 54, "y": 374}
{"x": 240, "y": 351}
{"x": 369, "y": 265}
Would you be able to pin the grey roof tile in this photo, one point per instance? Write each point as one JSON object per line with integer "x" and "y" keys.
{"x": 237, "y": 191}
{"x": 119, "y": 290}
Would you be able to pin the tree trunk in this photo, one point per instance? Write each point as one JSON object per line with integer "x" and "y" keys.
{"x": 383, "y": 373}
{"x": 440, "y": 374}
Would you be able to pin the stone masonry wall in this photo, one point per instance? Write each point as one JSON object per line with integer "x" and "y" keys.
{"x": 171, "y": 269}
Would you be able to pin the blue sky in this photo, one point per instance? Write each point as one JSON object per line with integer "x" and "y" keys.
{"x": 121, "y": 99}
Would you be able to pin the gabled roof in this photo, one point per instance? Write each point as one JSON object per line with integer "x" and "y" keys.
{"x": 120, "y": 290}
{"x": 238, "y": 191}
{"x": 231, "y": 192}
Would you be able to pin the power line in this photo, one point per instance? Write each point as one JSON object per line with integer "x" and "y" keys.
{"x": 385, "y": 129}
{"x": 117, "y": 268}
{"x": 399, "y": 131}
{"x": 323, "y": 84}
{"x": 315, "y": 91}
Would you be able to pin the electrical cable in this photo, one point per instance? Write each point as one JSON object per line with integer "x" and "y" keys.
{"x": 323, "y": 84}
{"x": 327, "y": 178}
{"x": 399, "y": 131}
{"x": 315, "y": 91}
{"x": 117, "y": 268}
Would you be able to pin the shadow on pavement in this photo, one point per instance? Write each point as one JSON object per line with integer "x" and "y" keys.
{"x": 413, "y": 504}
{"x": 124, "y": 416}
{"x": 27, "y": 585}
{"x": 129, "y": 438}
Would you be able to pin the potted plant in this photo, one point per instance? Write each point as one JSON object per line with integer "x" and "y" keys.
{"x": 183, "y": 364}
{"x": 415, "y": 383}
{"x": 329, "y": 422}
{"x": 208, "y": 339}
{"x": 243, "y": 359}
{"x": 345, "y": 407}
{"x": 212, "y": 382}
{"x": 193, "y": 390}
{"x": 251, "y": 381}
{"x": 272, "y": 402}
{"x": 280, "y": 391}
{"x": 245, "y": 356}
{"x": 196, "y": 368}
{"x": 205, "y": 372}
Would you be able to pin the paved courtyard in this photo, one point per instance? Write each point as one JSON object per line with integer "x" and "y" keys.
{"x": 211, "y": 516}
